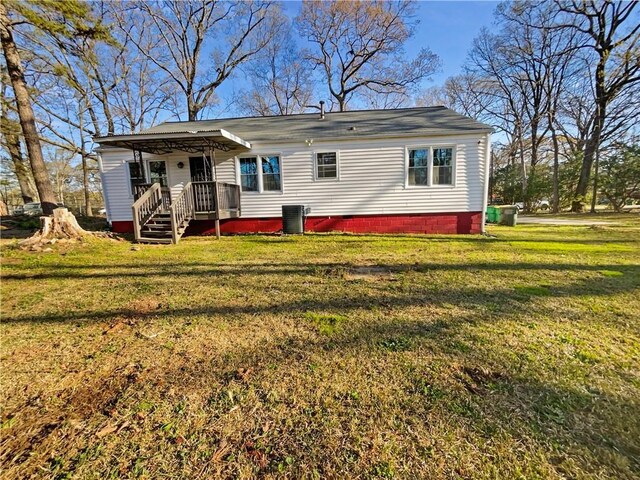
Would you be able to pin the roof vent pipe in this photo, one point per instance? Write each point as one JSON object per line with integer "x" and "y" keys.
{"x": 321, "y": 109}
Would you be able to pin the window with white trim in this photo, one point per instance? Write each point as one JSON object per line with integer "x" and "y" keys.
{"x": 419, "y": 166}
{"x": 326, "y": 164}
{"x": 271, "y": 180}
{"x": 158, "y": 172}
{"x": 442, "y": 166}
{"x": 432, "y": 165}
{"x": 249, "y": 174}
{"x": 136, "y": 175}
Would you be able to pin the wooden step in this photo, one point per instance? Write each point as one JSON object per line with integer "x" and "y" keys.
{"x": 157, "y": 227}
{"x": 154, "y": 240}
{"x": 151, "y": 233}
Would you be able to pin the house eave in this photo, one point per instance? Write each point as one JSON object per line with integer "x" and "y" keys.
{"x": 163, "y": 143}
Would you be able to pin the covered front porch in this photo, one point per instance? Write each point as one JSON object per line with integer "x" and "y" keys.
{"x": 174, "y": 180}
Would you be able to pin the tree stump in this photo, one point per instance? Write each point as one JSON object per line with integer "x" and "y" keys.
{"x": 62, "y": 225}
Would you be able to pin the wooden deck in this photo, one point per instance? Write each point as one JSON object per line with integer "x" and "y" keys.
{"x": 157, "y": 218}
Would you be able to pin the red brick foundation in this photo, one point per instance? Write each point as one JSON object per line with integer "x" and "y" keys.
{"x": 442, "y": 223}
{"x": 122, "y": 227}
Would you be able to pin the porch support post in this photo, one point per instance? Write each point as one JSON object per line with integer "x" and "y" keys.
{"x": 137, "y": 157}
{"x": 212, "y": 156}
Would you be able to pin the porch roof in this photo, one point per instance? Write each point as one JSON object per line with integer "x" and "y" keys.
{"x": 192, "y": 141}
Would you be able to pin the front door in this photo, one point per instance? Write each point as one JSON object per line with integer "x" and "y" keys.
{"x": 158, "y": 174}
{"x": 200, "y": 169}
{"x": 202, "y": 181}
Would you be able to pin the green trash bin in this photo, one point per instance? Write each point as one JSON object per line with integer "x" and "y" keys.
{"x": 509, "y": 215}
{"x": 498, "y": 215}
{"x": 490, "y": 214}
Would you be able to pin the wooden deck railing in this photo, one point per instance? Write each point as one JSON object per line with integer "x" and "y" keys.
{"x": 182, "y": 210}
{"x": 145, "y": 207}
{"x": 229, "y": 196}
{"x": 208, "y": 194}
{"x": 214, "y": 200}
{"x": 140, "y": 188}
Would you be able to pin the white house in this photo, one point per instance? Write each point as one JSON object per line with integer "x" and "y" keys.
{"x": 413, "y": 170}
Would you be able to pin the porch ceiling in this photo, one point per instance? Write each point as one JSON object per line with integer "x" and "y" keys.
{"x": 190, "y": 141}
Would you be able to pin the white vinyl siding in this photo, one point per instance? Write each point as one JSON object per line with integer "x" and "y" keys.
{"x": 372, "y": 172}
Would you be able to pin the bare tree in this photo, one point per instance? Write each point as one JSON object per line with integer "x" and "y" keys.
{"x": 11, "y": 132}
{"x": 25, "y": 111}
{"x": 142, "y": 89}
{"x": 234, "y": 31}
{"x": 281, "y": 80}
{"x": 58, "y": 21}
{"x": 548, "y": 60}
{"x": 505, "y": 91}
{"x": 611, "y": 31}
{"x": 358, "y": 47}
{"x": 467, "y": 93}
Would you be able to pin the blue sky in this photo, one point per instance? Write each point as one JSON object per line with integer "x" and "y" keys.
{"x": 446, "y": 27}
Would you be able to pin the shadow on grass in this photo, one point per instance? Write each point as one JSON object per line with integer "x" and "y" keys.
{"x": 187, "y": 269}
{"x": 378, "y": 297}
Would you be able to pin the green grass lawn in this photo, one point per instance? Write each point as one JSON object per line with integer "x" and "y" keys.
{"x": 326, "y": 356}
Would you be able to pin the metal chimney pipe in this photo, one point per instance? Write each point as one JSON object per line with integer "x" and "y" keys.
{"x": 321, "y": 109}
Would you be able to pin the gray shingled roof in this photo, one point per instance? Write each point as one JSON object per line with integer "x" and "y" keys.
{"x": 422, "y": 121}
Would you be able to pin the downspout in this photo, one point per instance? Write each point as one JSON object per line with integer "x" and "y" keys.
{"x": 487, "y": 174}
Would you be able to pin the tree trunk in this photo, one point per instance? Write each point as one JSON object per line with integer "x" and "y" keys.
{"x": 595, "y": 182}
{"x": 60, "y": 225}
{"x": 85, "y": 182}
{"x": 593, "y": 142}
{"x": 25, "y": 112}
{"x": 192, "y": 109}
{"x": 10, "y": 130}
{"x": 85, "y": 171}
{"x": 555, "y": 201}
{"x": 523, "y": 165}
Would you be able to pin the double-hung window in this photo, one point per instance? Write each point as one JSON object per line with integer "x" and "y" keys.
{"x": 271, "y": 181}
{"x": 261, "y": 173}
{"x": 249, "y": 174}
{"x": 326, "y": 164}
{"x": 419, "y": 166}
{"x": 430, "y": 166}
{"x": 136, "y": 175}
{"x": 442, "y": 166}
